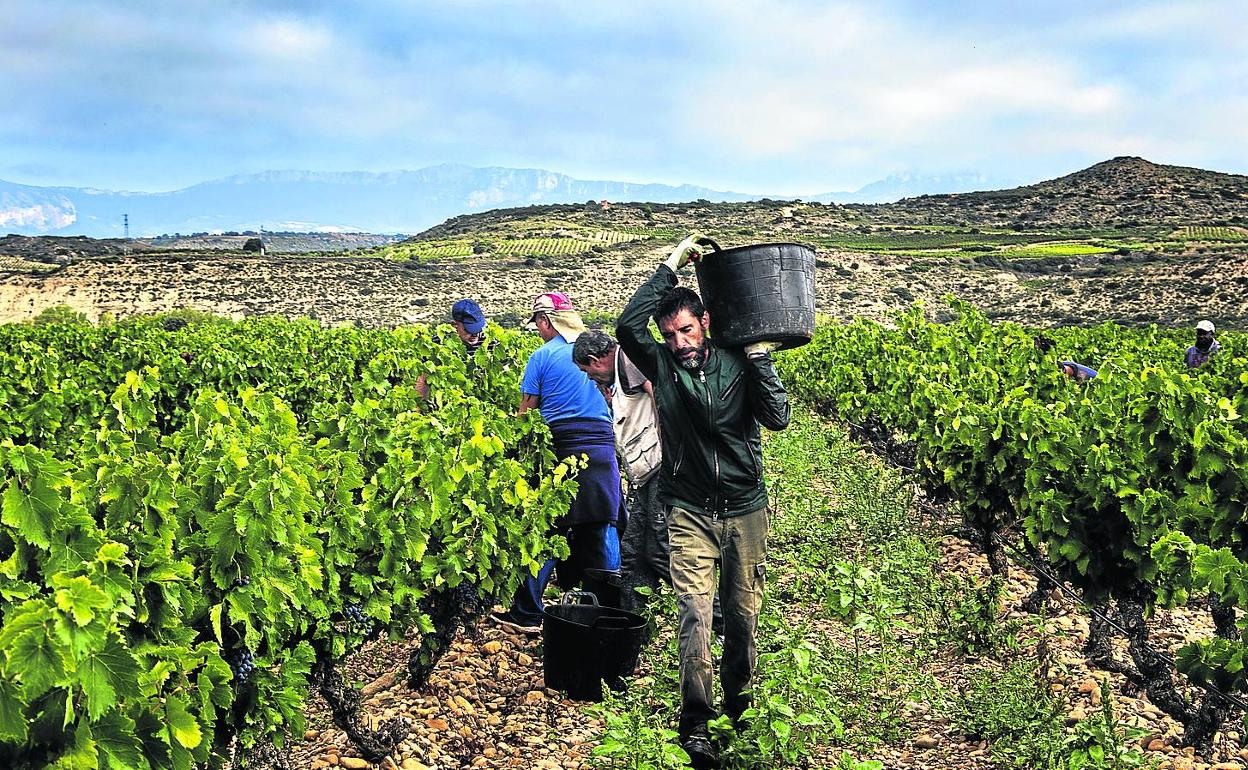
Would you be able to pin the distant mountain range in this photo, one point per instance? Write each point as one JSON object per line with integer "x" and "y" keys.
{"x": 392, "y": 202}
{"x": 900, "y": 186}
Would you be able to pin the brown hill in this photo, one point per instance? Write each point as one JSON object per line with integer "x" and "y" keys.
{"x": 1125, "y": 240}
{"x": 60, "y": 250}
{"x": 1123, "y": 192}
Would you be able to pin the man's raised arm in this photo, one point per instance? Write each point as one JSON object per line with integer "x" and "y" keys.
{"x": 633, "y": 327}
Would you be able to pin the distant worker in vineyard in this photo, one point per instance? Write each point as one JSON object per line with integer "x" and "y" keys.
{"x": 711, "y": 401}
{"x": 1205, "y": 346}
{"x": 1077, "y": 371}
{"x": 469, "y": 323}
{"x": 643, "y": 550}
{"x": 580, "y": 424}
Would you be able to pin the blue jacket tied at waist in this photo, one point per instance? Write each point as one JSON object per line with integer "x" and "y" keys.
{"x": 598, "y": 485}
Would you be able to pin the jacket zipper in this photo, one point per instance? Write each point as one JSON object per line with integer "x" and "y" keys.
{"x": 710, "y": 413}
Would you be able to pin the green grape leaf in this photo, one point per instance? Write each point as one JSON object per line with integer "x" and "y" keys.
{"x": 1216, "y": 568}
{"x": 183, "y": 725}
{"x": 30, "y": 514}
{"x": 214, "y": 615}
{"x": 37, "y": 660}
{"x": 112, "y": 553}
{"x": 118, "y": 744}
{"x": 13, "y": 722}
{"x": 82, "y": 755}
{"x": 1070, "y": 549}
{"x": 107, "y": 674}
{"x": 79, "y": 597}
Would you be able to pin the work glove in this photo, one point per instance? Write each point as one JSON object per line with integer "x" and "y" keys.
{"x": 685, "y": 252}
{"x": 760, "y": 349}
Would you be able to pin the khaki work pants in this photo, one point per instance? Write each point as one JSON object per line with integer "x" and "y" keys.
{"x": 739, "y": 545}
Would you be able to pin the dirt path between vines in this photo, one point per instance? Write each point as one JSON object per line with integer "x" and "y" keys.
{"x": 486, "y": 707}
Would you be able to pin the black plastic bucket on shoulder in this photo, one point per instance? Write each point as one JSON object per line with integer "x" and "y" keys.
{"x": 585, "y": 645}
{"x": 759, "y": 293}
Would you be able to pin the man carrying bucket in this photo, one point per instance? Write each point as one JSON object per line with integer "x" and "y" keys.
{"x": 711, "y": 401}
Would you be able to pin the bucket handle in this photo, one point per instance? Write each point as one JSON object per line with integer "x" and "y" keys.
{"x": 710, "y": 242}
{"x": 575, "y": 597}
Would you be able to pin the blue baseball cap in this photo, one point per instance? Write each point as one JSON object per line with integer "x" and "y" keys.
{"x": 469, "y": 314}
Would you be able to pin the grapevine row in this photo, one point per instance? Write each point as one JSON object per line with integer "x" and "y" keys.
{"x": 1212, "y": 233}
{"x": 1133, "y": 486}
{"x": 198, "y": 523}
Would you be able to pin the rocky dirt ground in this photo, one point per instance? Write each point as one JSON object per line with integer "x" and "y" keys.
{"x": 375, "y": 292}
{"x": 486, "y": 706}
{"x": 1065, "y": 630}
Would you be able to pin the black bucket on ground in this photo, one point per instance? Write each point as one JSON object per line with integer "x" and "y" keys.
{"x": 759, "y": 293}
{"x": 584, "y": 645}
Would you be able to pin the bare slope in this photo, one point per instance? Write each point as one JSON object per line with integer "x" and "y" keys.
{"x": 1123, "y": 191}
{"x": 1172, "y": 267}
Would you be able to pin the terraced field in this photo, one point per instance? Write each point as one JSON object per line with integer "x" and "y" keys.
{"x": 522, "y": 244}
{"x": 20, "y": 265}
{"x": 1208, "y": 233}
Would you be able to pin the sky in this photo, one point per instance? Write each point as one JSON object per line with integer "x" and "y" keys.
{"x": 774, "y": 96}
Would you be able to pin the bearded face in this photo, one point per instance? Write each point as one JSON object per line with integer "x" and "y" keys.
{"x": 685, "y": 335}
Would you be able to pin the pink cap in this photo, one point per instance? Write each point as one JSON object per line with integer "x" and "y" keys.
{"x": 551, "y": 300}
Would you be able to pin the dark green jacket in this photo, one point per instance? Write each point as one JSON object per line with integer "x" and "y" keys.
{"x": 712, "y": 452}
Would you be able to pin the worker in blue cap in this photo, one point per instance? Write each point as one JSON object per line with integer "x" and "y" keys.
{"x": 469, "y": 323}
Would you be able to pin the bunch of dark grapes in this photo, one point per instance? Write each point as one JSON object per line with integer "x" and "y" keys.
{"x": 243, "y": 581}
{"x": 358, "y": 622}
{"x": 243, "y": 662}
{"x": 467, "y": 599}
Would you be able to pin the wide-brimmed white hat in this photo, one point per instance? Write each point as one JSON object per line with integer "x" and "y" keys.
{"x": 558, "y": 309}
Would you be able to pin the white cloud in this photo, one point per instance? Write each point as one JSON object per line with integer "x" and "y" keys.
{"x": 880, "y": 82}
{"x": 291, "y": 39}
{"x": 760, "y": 95}
{"x": 1215, "y": 23}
